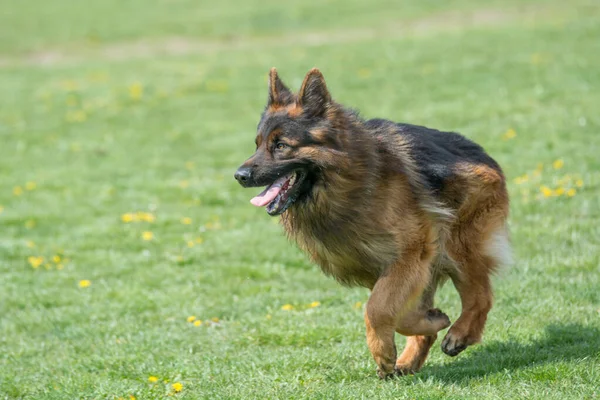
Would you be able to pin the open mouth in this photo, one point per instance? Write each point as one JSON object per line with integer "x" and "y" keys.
{"x": 278, "y": 196}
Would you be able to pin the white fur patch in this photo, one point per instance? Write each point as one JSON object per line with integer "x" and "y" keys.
{"x": 498, "y": 247}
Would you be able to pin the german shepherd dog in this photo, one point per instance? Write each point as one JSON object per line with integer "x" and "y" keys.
{"x": 392, "y": 207}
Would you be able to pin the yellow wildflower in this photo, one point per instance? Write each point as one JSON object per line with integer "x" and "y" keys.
{"x": 509, "y": 134}
{"x": 152, "y": 379}
{"x": 84, "y": 283}
{"x": 220, "y": 86}
{"x": 579, "y": 182}
{"x": 186, "y": 220}
{"x": 189, "y": 165}
{"x": 358, "y": 305}
{"x": 191, "y": 318}
{"x": 56, "y": 259}
{"x": 214, "y": 319}
{"x": 287, "y": 307}
{"x": 198, "y": 322}
{"x": 30, "y": 244}
{"x": 76, "y": 116}
{"x": 145, "y": 216}
{"x": 364, "y": 72}
{"x": 35, "y": 261}
{"x": 314, "y": 304}
{"x": 177, "y": 387}
{"x": 559, "y": 191}
{"x": 131, "y": 397}
{"x": 1, "y": 209}
{"x": 546, "y": 191}
{"x": 571, "y": 192}
{"x": 17, "y": 190}
{"x": 190, "y": 243}
{"x": 184, "y": 184}
{"x": 558, "y": 164}
{"x": 136, "y": 90}
{"x": 59, "y": 266}
{"x": 30, "y": 185}
{"x": 199, "y": 240}
{"x": 128, "y": 217}
{"x": 147, "y": 236}
{"x": 268, "y": 316}
{"x": 30, "y": 224}
{"x": 521, "y": 179}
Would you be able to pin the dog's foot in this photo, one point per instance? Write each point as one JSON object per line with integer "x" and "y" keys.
{"x": 456, "y": 341}
{"x": 439, "y": 318}
{"x": 385, "y": 374}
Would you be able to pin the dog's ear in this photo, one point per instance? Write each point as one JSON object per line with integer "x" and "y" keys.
{"x": 314, "y": 96}
{"x": 279, "y": 94}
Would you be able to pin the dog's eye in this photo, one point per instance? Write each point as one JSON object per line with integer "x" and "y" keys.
{"x": 280, "y": 146}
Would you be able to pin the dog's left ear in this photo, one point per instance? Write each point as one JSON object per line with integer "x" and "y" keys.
{"x": 314, "y": 96}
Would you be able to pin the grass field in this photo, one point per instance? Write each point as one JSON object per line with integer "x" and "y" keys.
{"x": 122, "y": 122}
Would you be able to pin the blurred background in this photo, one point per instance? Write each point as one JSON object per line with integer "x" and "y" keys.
{"x": 132, "y": 264}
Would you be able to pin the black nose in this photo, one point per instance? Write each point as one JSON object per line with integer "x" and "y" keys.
{"x": 243, "y": 175}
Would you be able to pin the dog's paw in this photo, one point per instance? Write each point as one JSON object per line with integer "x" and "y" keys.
{"x": 439, "y": 318}
{"x": 454, "y": 343}
{"x": 405, "y": 369}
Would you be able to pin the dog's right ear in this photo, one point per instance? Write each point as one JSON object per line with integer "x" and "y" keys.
{"x": 279, "y": 94}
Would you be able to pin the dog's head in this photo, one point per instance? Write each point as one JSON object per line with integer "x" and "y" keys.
{"x": 296, "y": 141}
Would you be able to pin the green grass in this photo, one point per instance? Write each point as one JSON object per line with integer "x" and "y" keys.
{"x": 96, "y": 148}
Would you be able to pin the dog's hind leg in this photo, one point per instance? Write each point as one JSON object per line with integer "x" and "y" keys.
{"x": 477, "y": 262}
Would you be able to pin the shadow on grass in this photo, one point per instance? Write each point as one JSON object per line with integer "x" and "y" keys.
{"x": 559, "y": 343}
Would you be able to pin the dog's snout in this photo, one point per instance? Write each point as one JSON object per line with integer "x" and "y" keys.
{"x": 243, "y": 175}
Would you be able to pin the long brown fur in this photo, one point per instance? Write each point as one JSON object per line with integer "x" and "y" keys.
{"x": 371, "y": 220}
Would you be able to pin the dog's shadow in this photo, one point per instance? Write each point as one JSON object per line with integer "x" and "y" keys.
{"x": 559, "y": 343}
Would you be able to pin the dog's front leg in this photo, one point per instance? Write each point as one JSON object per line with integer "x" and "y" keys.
{"x": 393, "y": 296}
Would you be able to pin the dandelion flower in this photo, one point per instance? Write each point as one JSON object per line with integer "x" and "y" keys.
{"x": 546, "y": 191}
{"x": 59, "y": 267}
{"x": 184, "y": 184}
{"x": 56, "y": 259}
{"x": 177, "y": 387}
{"x": 147, "y": 236}
{"x": 30, "y": 244}
{"x": 268, "y": 316}
{"x": 84, "y": 283}
{"x": 186, "y": 220}
{"x": 314, "y": 304}
{"x": 558, "y": 164}
{"x": 287, "y": 307}
{"x": 30, "y": 224}
{"x": 35, "y": 261}
{"x": 17, "y": 190}
{"x": 131, "y": 397}
{"x": 358, "y": 304}
{"x": 199, "y": 240}
{"x": 189, "y": 165}
{"x": 190, "y": 243}
{"x": 30, "y": 185}
{"x": 136, "y": 90}
{"x": 198, "y": 322}
{"x": 559, "y": 191}
{"x": 214, "y": 319}
{"x": 128, "y": 217}
{"x": 579, "y": 182}
{"x": 191, "y": 318}
{"x": 152, "y": 379}
{"x": 509, "y": 134}
{"x": 571, "y": 192}
{"x": 1, "y": 209}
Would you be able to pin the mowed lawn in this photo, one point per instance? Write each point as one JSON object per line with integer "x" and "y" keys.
{"x": 133, "y": 265}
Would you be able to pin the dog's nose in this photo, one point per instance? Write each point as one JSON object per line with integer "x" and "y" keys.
{"x": 243, "y": 175}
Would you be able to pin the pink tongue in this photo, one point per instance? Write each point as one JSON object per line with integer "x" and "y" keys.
{"x": 269, "y": 193}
